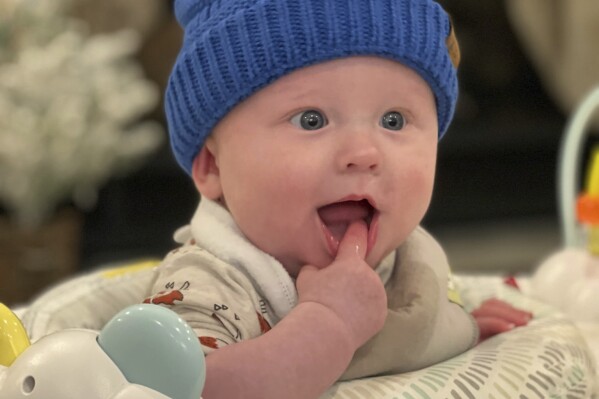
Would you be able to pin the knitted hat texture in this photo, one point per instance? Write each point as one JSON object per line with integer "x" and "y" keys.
{"x": 232, "y": 48}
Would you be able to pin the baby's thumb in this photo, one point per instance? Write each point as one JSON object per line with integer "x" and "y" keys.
{"x": 305, "y": 275}
{"x": 354, "y": 242}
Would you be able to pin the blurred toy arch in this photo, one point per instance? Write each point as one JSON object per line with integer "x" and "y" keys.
{"x": 569, "y": 279}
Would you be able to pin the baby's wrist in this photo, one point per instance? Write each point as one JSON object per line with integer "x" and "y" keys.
{"x": 329, "y": 320}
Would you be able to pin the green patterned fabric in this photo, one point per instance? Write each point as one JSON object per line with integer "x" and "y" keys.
{"x": 547, "y": 359}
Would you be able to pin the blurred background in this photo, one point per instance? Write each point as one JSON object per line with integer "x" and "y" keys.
{"x": 87, "y": 178}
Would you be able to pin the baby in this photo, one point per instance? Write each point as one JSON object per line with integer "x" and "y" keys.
{"x": 310, "y": 129}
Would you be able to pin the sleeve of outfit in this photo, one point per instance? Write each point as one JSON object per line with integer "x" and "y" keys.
{"x": 214, "y": 298}
{"x": 425, "y": 323}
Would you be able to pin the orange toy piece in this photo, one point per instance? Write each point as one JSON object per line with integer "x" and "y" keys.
{"x": 587, "y": 207}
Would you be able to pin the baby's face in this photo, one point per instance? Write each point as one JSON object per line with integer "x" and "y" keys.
{"x": 347, "y": 139}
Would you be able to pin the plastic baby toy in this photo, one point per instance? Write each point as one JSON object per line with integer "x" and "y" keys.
{"x": 144, "y": 352}
{"x": 573, "y": 273}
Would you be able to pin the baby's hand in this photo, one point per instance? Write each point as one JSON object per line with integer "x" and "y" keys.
{"x": 348, "y": 287}
{"x": 494, "y": 316}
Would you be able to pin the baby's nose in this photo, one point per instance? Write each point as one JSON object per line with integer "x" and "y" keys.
{"x": 361, "y": 155}
{"x": 364, "y": 161}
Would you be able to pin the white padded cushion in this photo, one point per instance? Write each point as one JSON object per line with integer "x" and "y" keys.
{"x": 549, "y": 358}
{"x": 88, "y": 301}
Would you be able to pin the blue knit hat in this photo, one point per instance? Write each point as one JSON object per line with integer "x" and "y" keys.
{"x": 232, "y": 48}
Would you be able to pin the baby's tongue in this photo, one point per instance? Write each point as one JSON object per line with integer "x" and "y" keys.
{"x": 337, "y": 217}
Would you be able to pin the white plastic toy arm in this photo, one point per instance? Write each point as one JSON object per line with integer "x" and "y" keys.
{"x": 569, "y": 166}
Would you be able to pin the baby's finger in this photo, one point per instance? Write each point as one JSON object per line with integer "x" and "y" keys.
{"x": 503, "y": 311}
{"x": 499, "y": 303}
{"x": 502, "y": 304}
{"x": 490, "y": 326}
{"x": 354, "y": 242}
{"x": 305, "y": 274}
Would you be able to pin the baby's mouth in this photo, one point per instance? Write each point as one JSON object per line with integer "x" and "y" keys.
{"x": 337, "y": 217}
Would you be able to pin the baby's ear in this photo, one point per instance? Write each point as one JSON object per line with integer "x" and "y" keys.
{"x": 205, "y": 173}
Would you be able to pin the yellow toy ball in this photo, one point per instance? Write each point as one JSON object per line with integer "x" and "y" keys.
{"x": 13, "y": 337}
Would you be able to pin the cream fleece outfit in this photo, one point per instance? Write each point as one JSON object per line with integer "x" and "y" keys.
{"x": 228, "y": 291}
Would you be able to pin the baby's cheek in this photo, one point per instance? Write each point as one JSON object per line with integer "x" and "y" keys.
{"x": 423, "y": 169}
{"x": 414, "y": 189}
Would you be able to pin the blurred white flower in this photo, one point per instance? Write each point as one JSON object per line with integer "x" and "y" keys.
{"x": 71, "y": 109}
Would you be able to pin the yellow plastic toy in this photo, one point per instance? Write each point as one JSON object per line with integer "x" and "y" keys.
{"x": 13, "y": 337}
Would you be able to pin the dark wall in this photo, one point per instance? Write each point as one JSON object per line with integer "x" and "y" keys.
{"x": 499, "y": 157}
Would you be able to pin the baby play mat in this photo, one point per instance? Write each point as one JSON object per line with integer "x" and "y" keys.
{"x": 547, "y": 359}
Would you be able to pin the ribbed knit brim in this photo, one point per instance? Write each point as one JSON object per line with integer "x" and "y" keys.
{"x": 232, "y": 48}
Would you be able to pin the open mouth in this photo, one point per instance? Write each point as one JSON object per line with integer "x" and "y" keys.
{"x": 337, "y": 217}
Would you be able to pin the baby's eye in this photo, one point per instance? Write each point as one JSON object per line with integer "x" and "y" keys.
{"x": 309, "y": 120}
{"x": 393, "y": 121}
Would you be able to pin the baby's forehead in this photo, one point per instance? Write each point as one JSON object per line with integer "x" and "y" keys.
{"x": 354, "y": 75}
{"x": 351, "y": 89}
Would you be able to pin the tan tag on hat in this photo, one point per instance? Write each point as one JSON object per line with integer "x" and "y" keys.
{"x": 453, "y": 47}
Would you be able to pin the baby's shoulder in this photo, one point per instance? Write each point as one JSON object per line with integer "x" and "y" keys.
{"x": 422, "y": 248}
{"x": 199, "y": 264}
